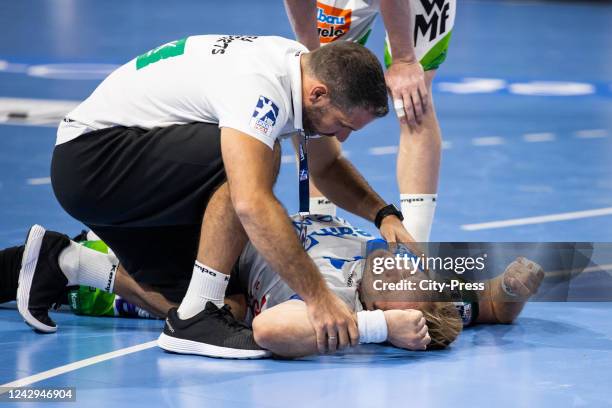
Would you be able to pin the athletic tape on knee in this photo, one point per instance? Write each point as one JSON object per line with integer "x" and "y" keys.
{"x": 372, "y": 326}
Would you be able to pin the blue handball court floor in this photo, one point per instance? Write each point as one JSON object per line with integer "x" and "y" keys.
{"x": 525, "y": 105}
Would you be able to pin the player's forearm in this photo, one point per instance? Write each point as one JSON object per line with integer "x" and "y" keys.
{"x": 270, "y": 230}
{"x": 303, "y": 17}
{"x": 495, "y": 307}
{"x": 346, "y": 187}
{"x": 399, "y": 25}
{"x": 286, "y": 330}
{"x": 498, "y": 312}
{"x": 141, "y": 296}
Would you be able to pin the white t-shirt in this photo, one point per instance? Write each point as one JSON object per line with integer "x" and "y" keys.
{"x": 352, "y": 20}
{"x": 251, "y": 84}
{"x": 334, "y": 245}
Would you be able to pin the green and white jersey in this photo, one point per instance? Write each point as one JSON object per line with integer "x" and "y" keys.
{"x": 352, "y": 20}
{"x": 349, "y": 20}
{"x": 248, "y": 83}
{"x": 334, "y": 245}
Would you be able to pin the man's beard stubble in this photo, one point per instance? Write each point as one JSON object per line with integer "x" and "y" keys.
{"x": 310, "y": 119}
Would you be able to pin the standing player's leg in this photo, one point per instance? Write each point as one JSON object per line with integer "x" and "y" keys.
{"x": 418, "y": 165}
{"x": 418, "y": 160}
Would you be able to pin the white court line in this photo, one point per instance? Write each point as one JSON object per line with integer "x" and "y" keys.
{"x": 287, "y": 158}
{"x": 488, "y": 141}
{"x": 591, "y": 133}
{"x": 38, "y": 181}
{"x": 54, "y": 372}
{"x": 383, "y": 150}
{"x": 446, "y": 144}
{"x": 539, "y": 137}
{"x": 538, "y": 219}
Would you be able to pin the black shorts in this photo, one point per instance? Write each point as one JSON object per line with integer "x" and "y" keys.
{"x": 144, "y": 193}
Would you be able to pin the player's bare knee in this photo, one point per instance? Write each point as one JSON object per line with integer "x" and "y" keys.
{"x": 429, "y": 77}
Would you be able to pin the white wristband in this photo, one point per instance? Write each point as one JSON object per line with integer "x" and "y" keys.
{"x": 372, "y": 326}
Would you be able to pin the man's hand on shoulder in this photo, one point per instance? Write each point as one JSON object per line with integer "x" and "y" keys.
{"x": 334, "y": 323}
{"x": 392, "y": 230}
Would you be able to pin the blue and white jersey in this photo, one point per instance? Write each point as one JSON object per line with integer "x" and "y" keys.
{"x": 334, "y": 245}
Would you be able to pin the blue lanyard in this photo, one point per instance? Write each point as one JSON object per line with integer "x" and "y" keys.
{"x": 304, "y": 186}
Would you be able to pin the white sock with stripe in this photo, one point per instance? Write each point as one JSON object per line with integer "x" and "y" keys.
{"x": 206, "y": 285}
{"x": 322, "y": 206}
{"x": 418, "y": 211}
{"x": 88, "y": 267}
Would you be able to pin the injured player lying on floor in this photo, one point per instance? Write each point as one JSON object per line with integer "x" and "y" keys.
{"x": 280, "y": 321}
{"x": 260, "y": 298}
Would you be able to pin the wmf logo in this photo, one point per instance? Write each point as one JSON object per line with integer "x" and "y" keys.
{"x": 433, "y": 22}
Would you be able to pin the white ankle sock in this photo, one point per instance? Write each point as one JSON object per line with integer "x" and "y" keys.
{"x": 418, "y": 211}
{"x": 206, "y": 285}
{"x": 88, "y": 267}
{"x": 321, "y": 205}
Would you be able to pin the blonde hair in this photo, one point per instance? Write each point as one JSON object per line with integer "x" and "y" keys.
{"x": 443, "y": 322}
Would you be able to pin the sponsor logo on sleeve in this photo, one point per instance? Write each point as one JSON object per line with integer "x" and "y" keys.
{"x": 265, "y": 116}
{"x": 332, "y": 22}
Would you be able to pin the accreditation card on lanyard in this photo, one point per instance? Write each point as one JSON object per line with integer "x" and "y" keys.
{"x": 304, "y": 186}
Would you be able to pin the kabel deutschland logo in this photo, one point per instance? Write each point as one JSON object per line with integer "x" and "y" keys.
{"x": 332, "y": 22}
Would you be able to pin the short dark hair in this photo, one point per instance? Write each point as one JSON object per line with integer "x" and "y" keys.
{"x": 353, "y": 75}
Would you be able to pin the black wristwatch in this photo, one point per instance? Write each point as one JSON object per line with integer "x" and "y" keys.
{"x": 385, "y": 211}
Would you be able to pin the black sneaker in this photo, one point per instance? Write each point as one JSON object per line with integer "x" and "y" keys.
{"x": 41, "y": 282}
{"x": 10, "y": 264}
{"x": 213, "y": 332}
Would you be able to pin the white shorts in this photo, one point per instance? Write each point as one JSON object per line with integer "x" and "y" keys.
{"x": 352, "y": 20}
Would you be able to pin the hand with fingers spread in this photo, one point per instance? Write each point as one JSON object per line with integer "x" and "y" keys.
{"x": 407, "y": 329}
{"x": 334, "y": 323}
{"x": 406, "y": 82}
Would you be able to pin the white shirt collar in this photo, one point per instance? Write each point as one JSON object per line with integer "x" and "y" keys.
{"x": 295, "y": 77}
